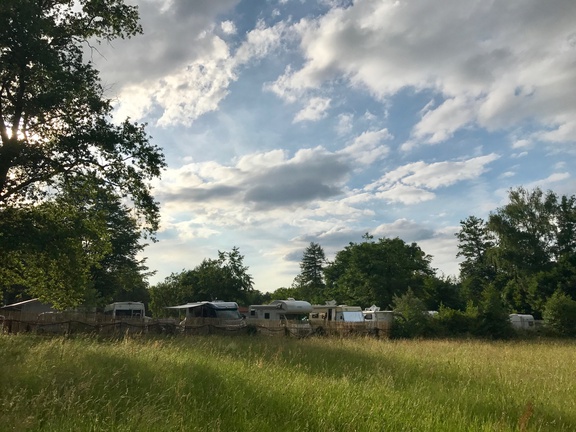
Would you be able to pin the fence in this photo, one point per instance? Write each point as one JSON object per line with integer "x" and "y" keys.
{"x": 93, "y": 323}
{"x": 279, "y": 327}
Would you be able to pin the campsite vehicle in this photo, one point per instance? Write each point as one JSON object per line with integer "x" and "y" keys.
{"x": 332, "y": 312}
{"x": 522, "y": 321}
{"x": 378, "y": 321}
{"x": 373, "y": 316}
{"x": 125, "y": 310}
{"x": 332, "y": 318}
{"x": 220, "y": 314}
{"x": 290, "y": 315}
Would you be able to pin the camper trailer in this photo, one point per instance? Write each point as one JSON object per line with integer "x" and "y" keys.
{"x": 332, "y": 318}
{"x": 522, "y": 322}
{"x": 216, "y": 313}
{"x": 378, "y": 322}
{"x": 125, "y": 310}
{"x": 374, "y": 317}
{"x": 332, "y": 312}
{"x": 290, "y": 315}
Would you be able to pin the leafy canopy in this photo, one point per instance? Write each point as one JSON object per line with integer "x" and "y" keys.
{"x": 55, "y": 122}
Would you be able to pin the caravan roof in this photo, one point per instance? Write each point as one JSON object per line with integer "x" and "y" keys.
{"x": 212, "y": 304}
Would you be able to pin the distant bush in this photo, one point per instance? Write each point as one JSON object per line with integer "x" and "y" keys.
{"x": 453, "y": 322}
{"x": 493, "y": 319}
{"x": 411, "y": 317}
{"x": 560, "y": 314}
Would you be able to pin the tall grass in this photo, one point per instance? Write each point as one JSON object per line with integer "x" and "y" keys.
{"x": 275, "y": 384}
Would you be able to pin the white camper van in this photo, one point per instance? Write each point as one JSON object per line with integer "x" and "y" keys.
{"x": 333, "y": 312}
{"x": 290, "y": 314}
{"x": 332, "y": 318}
{"x": 125, "y": 310}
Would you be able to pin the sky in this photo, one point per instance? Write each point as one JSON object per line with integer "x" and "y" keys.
{"x": 286, "y": 122}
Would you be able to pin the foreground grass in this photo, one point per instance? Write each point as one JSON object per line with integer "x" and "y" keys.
{"x": 268, "y": 384}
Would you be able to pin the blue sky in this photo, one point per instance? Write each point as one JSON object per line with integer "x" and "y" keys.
{"x": 292, "y": 121}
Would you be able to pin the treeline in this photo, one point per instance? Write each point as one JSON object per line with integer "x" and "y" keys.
{"x": 521, "y": 260}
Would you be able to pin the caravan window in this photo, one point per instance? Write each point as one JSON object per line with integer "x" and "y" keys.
{"x": 266, "y": 315}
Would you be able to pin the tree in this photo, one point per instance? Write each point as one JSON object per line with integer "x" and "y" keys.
{"x": 284, "y": 293}
{"x": 525, "y": 231}
{"x": 413, "y": 319}
{"x": 310, "y": 283}
{"x": 535, "y": 247}
{"x": 48, "y": 250}
{"x": 56, "y": 132}
{"x": 560, "y": 314}
{"x": 374, "y": 272}
{"x": 475, "y": 242}
{"x": 55, "y": 123}
{"x": 493, "y": 318}
{"x": 85, "y": 230}
{"x": 225, "y": 278}
{"x": 441, "y": 290}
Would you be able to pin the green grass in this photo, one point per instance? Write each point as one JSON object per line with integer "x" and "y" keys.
{"x": 275, "y": 384}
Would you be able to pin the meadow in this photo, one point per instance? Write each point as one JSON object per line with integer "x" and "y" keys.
{"x": 223, "y": 383}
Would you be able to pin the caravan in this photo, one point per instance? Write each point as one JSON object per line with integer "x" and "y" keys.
{"x": 332, "y": 318}
{"x": 332, "y": 312}
{"x": 522, "y": 321}
{"x": 220, "y": 314}
{"x": 126, "y": 310}
{"x": 290, "y": 315}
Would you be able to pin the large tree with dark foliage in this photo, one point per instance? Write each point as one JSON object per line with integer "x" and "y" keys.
{"x": 310, "y": 282}
{"x": 375, "y": 271}
{"x": 526, "y": 250}
{"x": 477, "y": 268}
{"x": 56, "y": 129}
{"x": 225, "y": 278}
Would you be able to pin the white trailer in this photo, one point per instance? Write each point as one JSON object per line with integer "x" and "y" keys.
{"x": 126, "y": 310}
{"x": 522, "y": 321}
{"x": 290, "y": 314}
{"x": 375, "y": 317}
{"x": 332, "y": 312}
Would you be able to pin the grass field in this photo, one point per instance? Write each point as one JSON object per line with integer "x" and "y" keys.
{"x": 218, "y": 383}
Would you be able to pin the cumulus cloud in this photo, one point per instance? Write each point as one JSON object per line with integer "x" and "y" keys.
{"x": 491, "y": 64}
{"x": 315, "y": 109}
{"x": 412, "y": 183}
{"x": 369, "y": 146}
{"x": 228, "y": 27}
{"x": 194, "y": 72}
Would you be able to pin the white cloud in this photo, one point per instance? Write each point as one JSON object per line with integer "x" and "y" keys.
{"x": 193, "y": 89}
{"x": 228, "y": 27}
{"x": 478, "y": 57}
{"x": 548, "y": 182}
{"x": 345, "y": 123}
{"x": 314, "y": 110}
{"x": 368, "y": 147}
{"x": 404, "y": 194}
{"x": 438, "y": 174}
{"x": 440, "y": 123}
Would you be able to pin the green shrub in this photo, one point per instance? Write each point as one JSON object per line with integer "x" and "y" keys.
{"x": 560, "y": 314}
{"x": 453, "y": 322}
{"x": 412, "y": 318}
{"x": 493, "y": 320}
